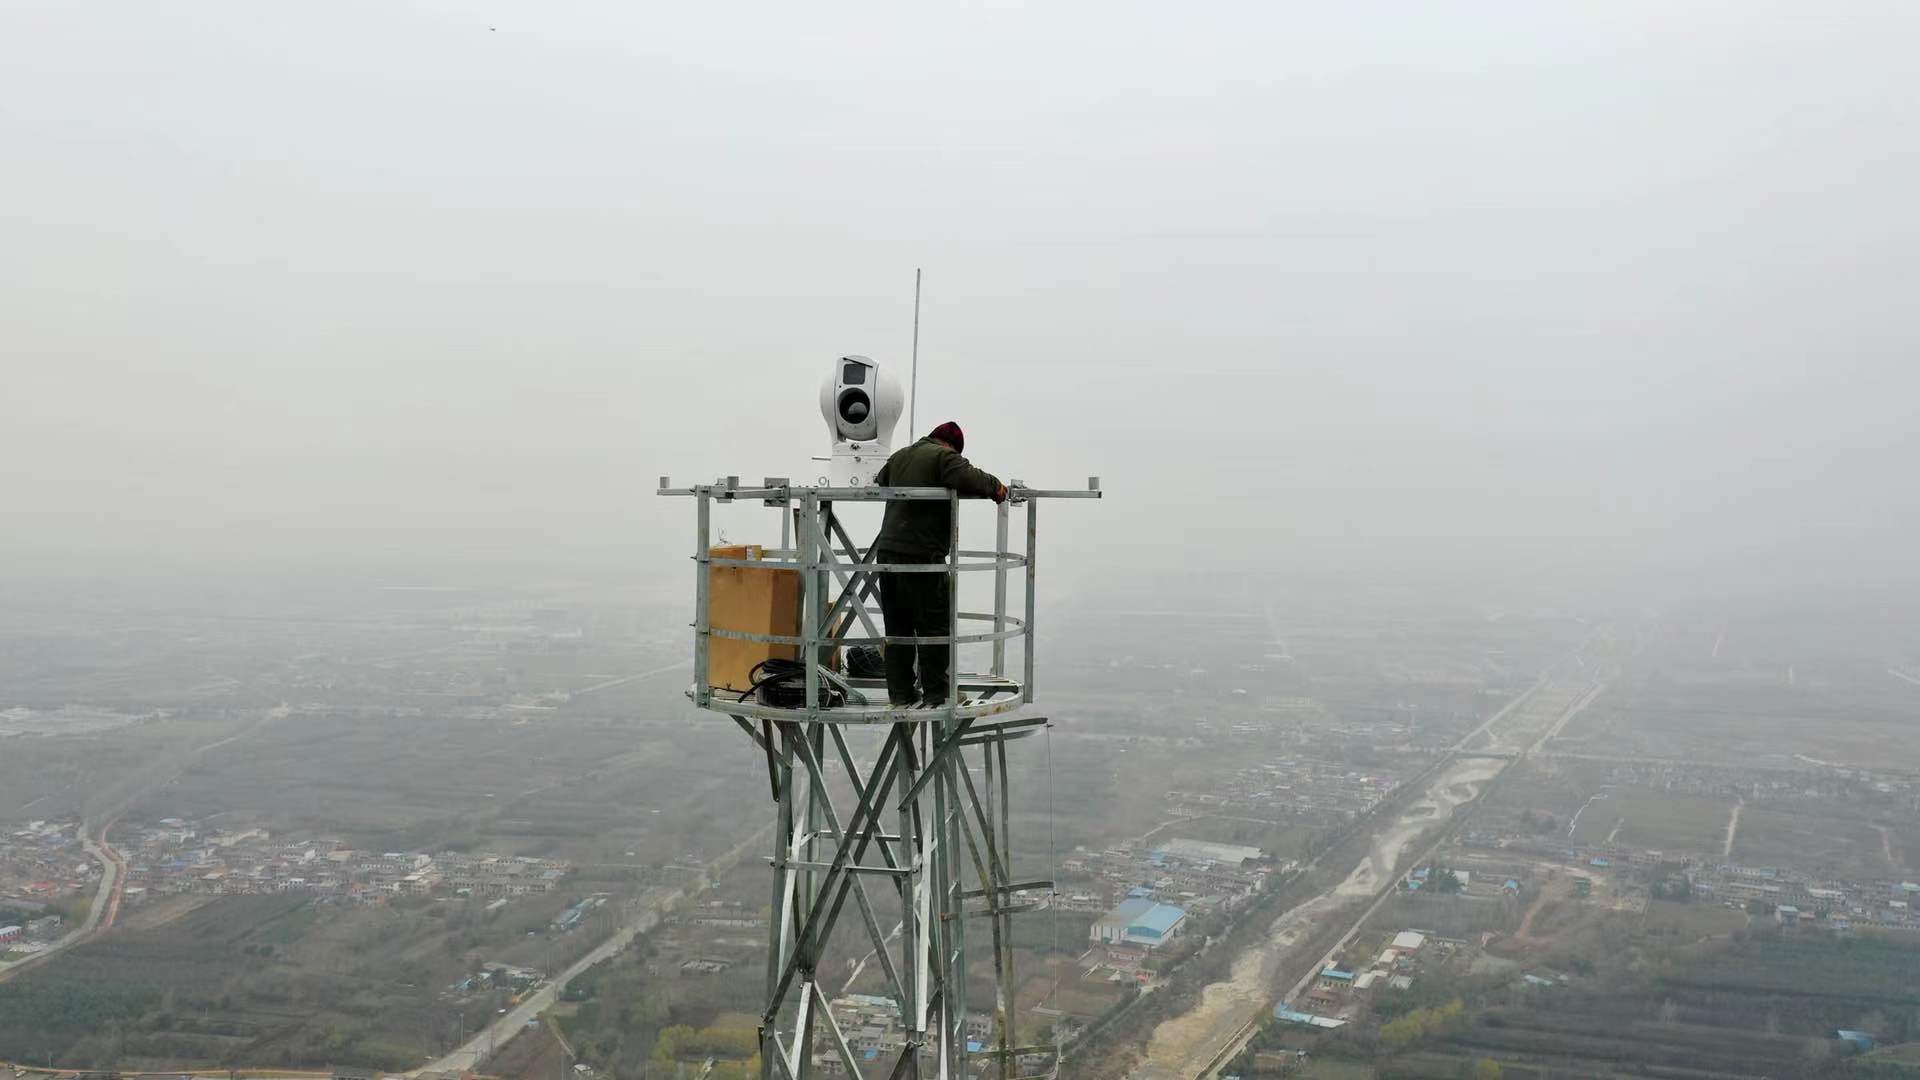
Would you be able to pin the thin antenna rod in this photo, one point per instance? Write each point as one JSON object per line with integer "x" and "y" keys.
{"x": 913, "y": 396}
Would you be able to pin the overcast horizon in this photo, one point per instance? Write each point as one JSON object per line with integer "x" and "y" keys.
{"x": 1619, "y": 288}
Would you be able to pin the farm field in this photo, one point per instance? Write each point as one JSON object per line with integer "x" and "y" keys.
{"x": 245, "y": 979}
{"x": 570, "y": 787}
{"x": 1842, "y": 847}
{"x": 160, "y": 912}
{"x": 1335, "y": 1069}
{"x": 1658, "y": 820}
{"x": 1075, "y": 995}
{"x": 1692, "y": 708}
{"x": 1905, "y": 1054}
{"x": 1689, "y": 922}
{"x": 1544, "y": 788}
{"x": 1759, "y": 1003}
{"x": 1839, "y": 980}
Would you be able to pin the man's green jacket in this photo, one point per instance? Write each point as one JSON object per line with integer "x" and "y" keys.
{"x": 921, "y": 529}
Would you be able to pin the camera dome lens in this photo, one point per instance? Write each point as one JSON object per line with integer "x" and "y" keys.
{"x": 854, "y": 406}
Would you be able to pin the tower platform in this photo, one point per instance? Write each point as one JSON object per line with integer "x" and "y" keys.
{"x": 913, "y": 819}
{"x": 838, "y": 580}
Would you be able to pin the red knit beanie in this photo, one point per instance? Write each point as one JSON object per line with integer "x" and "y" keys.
{"x": 950, "y": 434}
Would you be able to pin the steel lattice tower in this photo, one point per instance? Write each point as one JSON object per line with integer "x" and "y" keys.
{"x": 912, "y": 821}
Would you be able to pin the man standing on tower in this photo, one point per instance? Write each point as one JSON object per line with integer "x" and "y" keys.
{"x": 921, "y": 531}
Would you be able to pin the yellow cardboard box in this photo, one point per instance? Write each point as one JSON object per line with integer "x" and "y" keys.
{"x": 751, "y": 600}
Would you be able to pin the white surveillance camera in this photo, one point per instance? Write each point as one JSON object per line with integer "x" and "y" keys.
{"x": 861, "y": 403}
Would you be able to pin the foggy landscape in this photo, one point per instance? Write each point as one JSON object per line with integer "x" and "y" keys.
{"x": 1448, "y": 508}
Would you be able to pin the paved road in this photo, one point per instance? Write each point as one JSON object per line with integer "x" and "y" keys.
{"x": 103, "y": 900}
{"x": 1239, "y": 1041}
{"x": 106, "y": 902}
{"x": 625, "y": 679}
{"x": 1295, "y": 924}
{"x": 1553, "y": 731}
{"x": 1197, "y": 1041}
{"x": 1369, "y": 880}
{"x": 173, "y": 1074}
{"x": 468, "y": 1057}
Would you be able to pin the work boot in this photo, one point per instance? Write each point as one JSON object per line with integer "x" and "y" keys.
{"x": 940, "y": 703}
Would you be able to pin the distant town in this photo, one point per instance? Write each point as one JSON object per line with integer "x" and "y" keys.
{"x": 43, "y": 863}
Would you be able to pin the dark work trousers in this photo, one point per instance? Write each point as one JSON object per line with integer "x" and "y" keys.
{"x": 915, "y": 605}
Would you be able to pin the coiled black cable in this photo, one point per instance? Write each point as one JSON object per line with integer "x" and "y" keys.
{"x": 782, "y": 684}
{"x": 866, "y": 662}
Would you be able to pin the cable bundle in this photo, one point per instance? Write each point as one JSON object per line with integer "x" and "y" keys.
{"x": 866, "y": 662}
{"x": 782, "y": 684}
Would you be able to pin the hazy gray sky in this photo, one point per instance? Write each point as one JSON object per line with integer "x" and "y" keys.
{"x": 1442, "y": 283}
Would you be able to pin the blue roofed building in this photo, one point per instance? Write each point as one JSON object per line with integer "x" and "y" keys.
{"x": 1294, "y": 1016}
{"x": 1862, "y": 1041}
{"x": 1111, "y": 928}
{"x": 1138, "y": 921}
{"x": 1331, "y": 976}
{"x": 1158, "y": 924}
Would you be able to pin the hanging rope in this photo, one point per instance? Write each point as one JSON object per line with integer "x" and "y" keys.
{"x": 1053, "y": 851}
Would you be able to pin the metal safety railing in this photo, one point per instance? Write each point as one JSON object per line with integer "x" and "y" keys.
{"x": 837, "y": 579}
